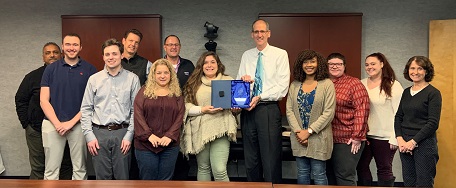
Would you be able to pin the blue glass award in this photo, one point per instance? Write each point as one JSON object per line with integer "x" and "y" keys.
{"x": 228, "y": 94}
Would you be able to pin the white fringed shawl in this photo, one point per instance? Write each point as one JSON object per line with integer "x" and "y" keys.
{"x": 202, "y": 129}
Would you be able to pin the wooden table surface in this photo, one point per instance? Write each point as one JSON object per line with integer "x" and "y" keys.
{"x": 14, "y": 183}
{"x": 25, "y": 183}
{"x": 309, "y": 186}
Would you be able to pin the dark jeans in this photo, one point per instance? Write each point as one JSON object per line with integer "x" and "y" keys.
{"x": 262, "y": 141}
{"x": 37, "y": 158}
{"x": 307, "y": 166}
{"x": 383, "y": 155}
{"x": 111, "y": 163}
{"x": 419, "y": 169}
{"x": 157, "y": 166}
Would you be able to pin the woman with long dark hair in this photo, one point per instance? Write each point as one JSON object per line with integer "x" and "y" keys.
{"x": 384, "y": 96}
{"x": 207, "y": 131}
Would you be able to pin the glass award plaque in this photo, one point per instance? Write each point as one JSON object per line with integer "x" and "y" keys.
{"x": 228, "y": 94}
{"x": 240, "y": 94}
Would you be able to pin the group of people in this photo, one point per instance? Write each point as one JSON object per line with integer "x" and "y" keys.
{"x": 68, "y": 108}
{"x": 157, "y": 114}
{"x": 340, "y": 123}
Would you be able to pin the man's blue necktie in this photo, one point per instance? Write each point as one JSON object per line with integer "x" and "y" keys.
{"x": 259, "y": 76}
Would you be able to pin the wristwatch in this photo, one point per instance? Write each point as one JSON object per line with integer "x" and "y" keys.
{"x": 310, "y": 131}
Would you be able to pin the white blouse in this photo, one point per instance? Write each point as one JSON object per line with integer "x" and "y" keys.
{"x": 382, "y": 111}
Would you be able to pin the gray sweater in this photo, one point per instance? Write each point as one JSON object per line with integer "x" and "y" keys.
{"x": 320, "y": 143}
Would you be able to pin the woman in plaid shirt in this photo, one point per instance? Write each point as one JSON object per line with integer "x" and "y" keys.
{"x": 349, "y": 125}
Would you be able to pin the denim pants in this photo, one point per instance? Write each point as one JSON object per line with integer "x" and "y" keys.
{"x": 214, "y": 157}
{"x": 157, "y": 166}
{"x": 306, "y": 166}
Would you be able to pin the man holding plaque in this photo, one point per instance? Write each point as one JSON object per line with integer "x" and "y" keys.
{"x": 267, "y": 67}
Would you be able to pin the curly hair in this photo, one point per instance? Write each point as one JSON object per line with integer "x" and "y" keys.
{"x": 306, "y": 55}
{"x": 388, "y": 75}
{"x": 422, "y": 62}
{"x": 194, "y": 81}
{"x": 151, "y": 84}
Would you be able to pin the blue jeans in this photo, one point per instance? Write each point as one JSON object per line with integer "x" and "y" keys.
{"x": 157, "y": 166}
{"x": 306, "y": 166}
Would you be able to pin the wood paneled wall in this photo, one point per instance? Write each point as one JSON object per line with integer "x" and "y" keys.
{"x": 442, "y": 52}
{"x": 323, "y": 32}
{"x": 95, "y": 29}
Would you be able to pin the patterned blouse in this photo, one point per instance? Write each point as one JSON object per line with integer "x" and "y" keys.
{"x": 305, "y": 101}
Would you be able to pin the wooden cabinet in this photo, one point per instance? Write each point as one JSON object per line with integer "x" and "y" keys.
{"x": 324, "y": 33}
{"x": 95, "y": 29}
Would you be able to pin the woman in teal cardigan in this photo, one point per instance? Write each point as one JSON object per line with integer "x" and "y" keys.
{"x": 310, "y": 109}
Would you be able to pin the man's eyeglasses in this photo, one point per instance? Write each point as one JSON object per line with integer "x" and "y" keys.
{"x": 256, "y": 32}
{"x": 175, "y": 45}
{"x": 335, "y": 64}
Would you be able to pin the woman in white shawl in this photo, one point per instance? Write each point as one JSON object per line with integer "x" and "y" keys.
{"x": 207, "y": 131}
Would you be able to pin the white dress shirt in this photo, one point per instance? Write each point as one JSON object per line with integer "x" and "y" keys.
{"x": 276, "y": 71}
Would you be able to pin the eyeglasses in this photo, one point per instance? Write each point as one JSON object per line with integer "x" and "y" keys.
{"x": 256, "y": 32}
{"x": 335, "y": 64}
{"x": 175, "y": 45}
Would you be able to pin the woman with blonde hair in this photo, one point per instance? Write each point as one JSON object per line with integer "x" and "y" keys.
{"x": 158, "y": 115}
{"x": 207, "y": 131}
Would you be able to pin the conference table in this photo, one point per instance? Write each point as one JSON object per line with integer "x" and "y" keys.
{"x": 22, "y": 183}
{"x": 25, "y": 183}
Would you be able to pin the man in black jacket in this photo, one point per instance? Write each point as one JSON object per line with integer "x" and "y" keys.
{"x": 184, "y": 69}
{"x": 31, "y": 116}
